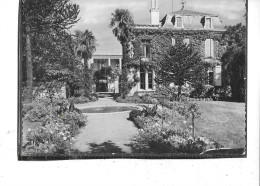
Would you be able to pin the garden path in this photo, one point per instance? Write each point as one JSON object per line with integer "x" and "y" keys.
{"x": 106, "y": 132}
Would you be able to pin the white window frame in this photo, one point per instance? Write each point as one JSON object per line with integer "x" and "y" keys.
{"x": 144, "y": 45}
{"x": 186, "y": 41}
{"x": 211, "y": 24}
{"x": 212, "y": 51}
{"x": 173, "y": 41}
{"x": 146, "y": 81}
{"x": 176, "y": 25}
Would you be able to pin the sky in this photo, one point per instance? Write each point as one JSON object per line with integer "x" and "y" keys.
{"x": 95, "y": 15}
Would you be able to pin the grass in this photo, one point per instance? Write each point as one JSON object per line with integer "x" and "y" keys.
{"x": 222, "y": 121}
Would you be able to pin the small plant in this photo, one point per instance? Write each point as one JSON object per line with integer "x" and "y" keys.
{"x": 135, "y": 113}
{"x": 149, "y": 111}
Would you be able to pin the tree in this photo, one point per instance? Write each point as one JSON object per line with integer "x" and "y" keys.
{"x": 234, "y": 61}
{"x": 181, "y": 64}
{"x": 86, "y": 47}
{"x": 41, "y": 17}
{"x": 54, "y": 59}
{"x": 120, "y": 23}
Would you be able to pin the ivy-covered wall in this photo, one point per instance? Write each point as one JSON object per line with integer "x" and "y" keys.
{"x": 161, "y": 40}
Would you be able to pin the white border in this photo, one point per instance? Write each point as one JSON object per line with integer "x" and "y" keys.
{"x": 120, "y": 172}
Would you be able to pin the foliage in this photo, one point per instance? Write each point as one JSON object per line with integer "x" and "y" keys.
{"x": 150, "y": 111}
{"x": 86, "y": 46}
{"x": 120, "y": 23}
{"x": 165, "y": 137}
{"x": 166, "y": 92}
{"x": 135, "y": 113}
{"x": 59, "y": 125}
{"x": 209, "y": 91}
{"x": 131, "y": 99}
{"x": 78, "y": 100}
{"x": 181, "y": 64}
{"x": 234, "y": 61}
{"x": 41, "y": 18}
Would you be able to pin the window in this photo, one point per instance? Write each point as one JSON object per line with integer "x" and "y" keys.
{"x": 173, "y": 42}
{"x": 146, "y": 49}
{"x": 208, "y": 23}
{"x": 150, "y": 79}
{"x": 142, "y": 78}
{"x": 210, "y": 78}
{"x": 186, "y": 41}
{"x": 209, "y": 48}
{"x": 179, "y": 22}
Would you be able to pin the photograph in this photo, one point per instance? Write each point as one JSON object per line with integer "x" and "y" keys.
{"x": 139, "y": 79}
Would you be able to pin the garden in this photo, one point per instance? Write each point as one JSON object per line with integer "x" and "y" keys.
{"x": 58, "y": 92}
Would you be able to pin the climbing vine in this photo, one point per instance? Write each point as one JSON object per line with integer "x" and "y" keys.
{"x": 160, "y": 41}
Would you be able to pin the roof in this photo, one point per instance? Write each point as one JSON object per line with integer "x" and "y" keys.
{"x": 191, "y": 13}
{"x": 191, "y": 20}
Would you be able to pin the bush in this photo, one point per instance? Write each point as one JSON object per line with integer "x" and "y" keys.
{"x": 79, "y": 100}
{"x": 211, "y": 92}
{"x": 58, "y": 127}
{"x": 146, "y": 99}
{"x": 165, "y": 137}
{"x": 37, "y": 110}
{"x": 135, "y": 113}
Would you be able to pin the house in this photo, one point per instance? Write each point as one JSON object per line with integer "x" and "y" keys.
{"x": 202, "y": 30}
{"x": 106, "y": 59}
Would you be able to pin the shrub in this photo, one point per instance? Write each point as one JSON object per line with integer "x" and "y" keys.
{"x": 147, "y": 99}
{"x": 165, "y": 137}
{"x": 135, "y": 113}
{"x": 79, "y": 100}
{"x": 37, "y": 110}
{"x": 58, "y": 127}
{"x": 211, "y": 92}
{"x": 140, "y": 121}
{"x": 164, "y": 92}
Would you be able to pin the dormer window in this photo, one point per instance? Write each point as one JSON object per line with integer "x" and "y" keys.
{"x": 208, "y": 23}
{"x": 177, "y": 21}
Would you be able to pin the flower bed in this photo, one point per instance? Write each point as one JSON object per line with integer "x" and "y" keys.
{"x": 163, "y": 135}
{"x": 59, "y": 125}
{"x": 166, "y": 137}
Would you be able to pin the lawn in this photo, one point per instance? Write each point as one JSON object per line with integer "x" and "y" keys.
{"x": 222, "y": 121}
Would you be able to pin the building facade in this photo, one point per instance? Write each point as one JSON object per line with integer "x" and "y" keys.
{"x": 201, "y": 30}
{"x": 106, "y": 59}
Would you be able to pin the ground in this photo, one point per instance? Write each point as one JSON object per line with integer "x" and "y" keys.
{"x": 112, "y": 132}
{"x": 224, "y": 122}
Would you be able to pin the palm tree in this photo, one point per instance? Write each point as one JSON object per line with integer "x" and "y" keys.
{"x": 86, "y": 42}
{"x": 86, "y": 46}
{"x": 120, "y": 23}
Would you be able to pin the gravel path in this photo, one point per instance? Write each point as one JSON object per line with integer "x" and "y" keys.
{"x": 106, "y": 133}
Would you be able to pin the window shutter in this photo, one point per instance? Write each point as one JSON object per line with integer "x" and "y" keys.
{"x": 173, "y": 42}
{"x": 212, "y": 48}
{"x": 217, "y": 76}
{"x": 207, "y": 48}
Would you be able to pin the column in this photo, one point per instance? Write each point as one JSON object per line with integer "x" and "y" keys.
{"x": 153, "y": 80}
{"x": 138, "y": 74}
{"x": 146, "y": 80}
{"x": 109, "y": 62}
{"x": 120, "y": 64}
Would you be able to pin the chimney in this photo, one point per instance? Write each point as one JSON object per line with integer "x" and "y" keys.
{"x": 155, "y": 12}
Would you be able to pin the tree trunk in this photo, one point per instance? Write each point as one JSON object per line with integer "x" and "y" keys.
{"x": 29, "y": 68}
{"x": 179, "y": 92}
{"x": 124, "y": 88}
